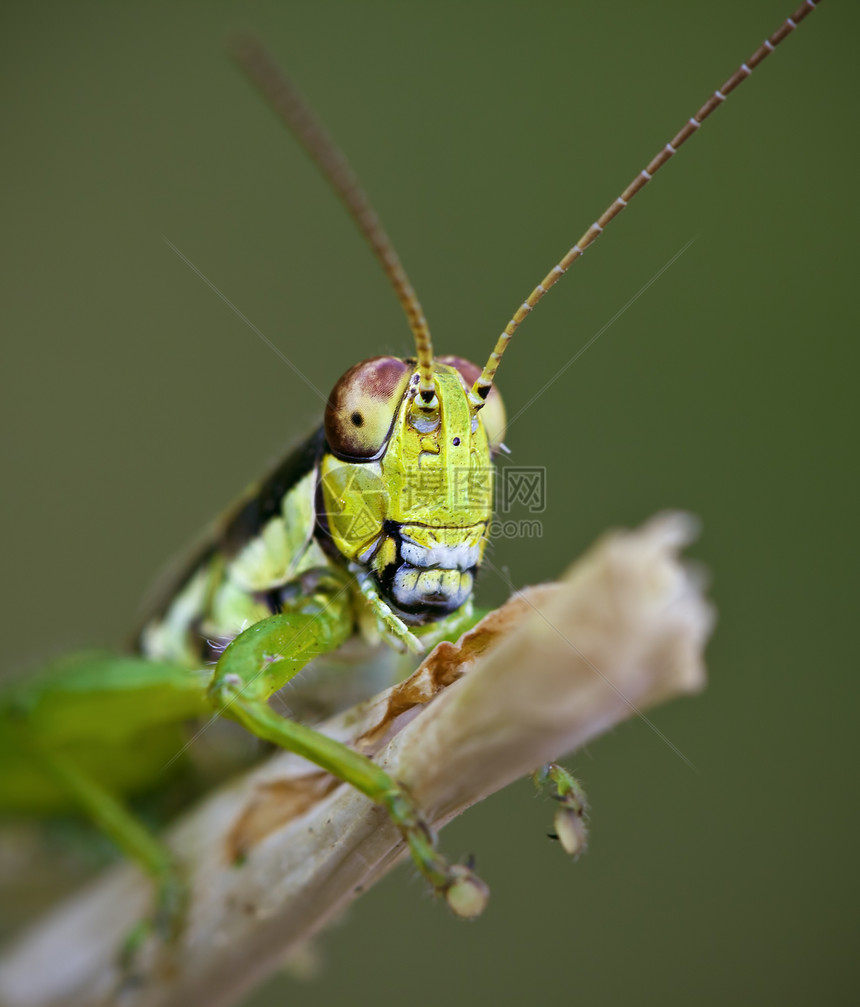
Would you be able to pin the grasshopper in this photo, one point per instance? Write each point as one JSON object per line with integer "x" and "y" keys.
{"x": 375, "y": 528}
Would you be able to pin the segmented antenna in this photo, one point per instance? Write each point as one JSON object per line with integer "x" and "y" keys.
{"x": 481, "y": 388}
{"x": 261, "y": 69}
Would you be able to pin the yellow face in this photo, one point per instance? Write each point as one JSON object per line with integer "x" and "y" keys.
{"x": 408, "y": 492}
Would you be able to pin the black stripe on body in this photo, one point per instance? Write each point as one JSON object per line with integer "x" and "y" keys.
{"x": 265, "y": 499}
{"x": 242, "y": 522}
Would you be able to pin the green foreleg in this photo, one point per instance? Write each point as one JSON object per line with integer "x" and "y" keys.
{"x": 267, "y": 655}
{"x": 570, "y": 818}
{"x": 132, "y": 838}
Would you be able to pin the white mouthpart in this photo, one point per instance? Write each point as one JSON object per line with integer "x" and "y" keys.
{"x": 448, "y": 557}
{"x": 448, "y": 589}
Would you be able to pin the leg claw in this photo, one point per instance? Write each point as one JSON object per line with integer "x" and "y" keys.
{"x": 466, "y": 895}
{"x": 570, "y": 820}
{"x": 571, "y": 831}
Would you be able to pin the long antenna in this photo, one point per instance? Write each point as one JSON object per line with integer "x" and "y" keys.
{"x": 259, "y": 66}
{"x": 481, "y": 388}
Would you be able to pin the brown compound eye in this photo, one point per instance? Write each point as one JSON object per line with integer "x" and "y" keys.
{"x": 492, "y": 414}
{"x": 361, "y": 409}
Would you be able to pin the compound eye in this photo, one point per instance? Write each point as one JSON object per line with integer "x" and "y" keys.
{"x": 361, "y": 409}
{"x": 492, "y": 415}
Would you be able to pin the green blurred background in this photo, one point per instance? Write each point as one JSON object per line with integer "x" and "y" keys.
{"x": 135, "y": 405}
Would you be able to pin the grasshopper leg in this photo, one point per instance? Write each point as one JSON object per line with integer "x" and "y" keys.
{"x": 572, "y": 813}
{"x": 132, "y": 838}
{"x": 258, "y": 663}
{"x": 391, "y": 626}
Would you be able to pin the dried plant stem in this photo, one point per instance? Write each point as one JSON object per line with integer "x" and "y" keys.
{"x": 549, "y": 671}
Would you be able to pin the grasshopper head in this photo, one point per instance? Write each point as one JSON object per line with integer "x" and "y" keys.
{"x": 407, "y": 481}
